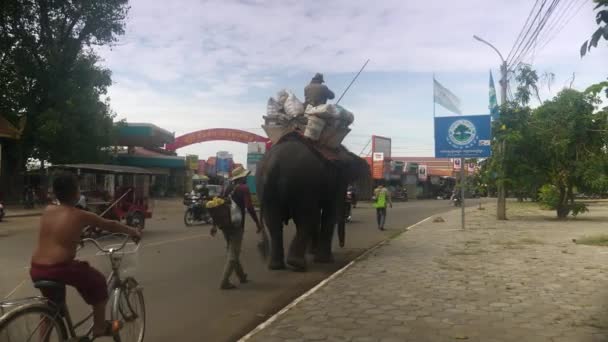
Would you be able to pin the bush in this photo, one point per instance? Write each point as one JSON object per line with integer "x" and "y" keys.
{"x": 548, "y": 196}
{"x": 578, "y": 208}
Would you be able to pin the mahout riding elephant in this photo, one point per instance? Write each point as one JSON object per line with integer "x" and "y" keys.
{"x": 296, "y": 182}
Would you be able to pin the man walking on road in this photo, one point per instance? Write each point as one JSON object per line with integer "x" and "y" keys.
{"x": 381, "y": 197}
{"x": 239, "y": 193}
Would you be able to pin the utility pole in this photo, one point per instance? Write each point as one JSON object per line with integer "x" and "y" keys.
{"x": 501, "y": 205}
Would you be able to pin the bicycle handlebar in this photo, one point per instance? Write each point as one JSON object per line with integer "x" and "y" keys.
{"x": 111, "y": 250}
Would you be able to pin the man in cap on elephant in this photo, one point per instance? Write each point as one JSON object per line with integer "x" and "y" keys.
{"x": 316, "y": 93}
{"x": 239, "y": 193}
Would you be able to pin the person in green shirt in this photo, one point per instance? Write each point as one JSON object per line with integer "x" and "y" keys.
{"x": 382, "y": 197}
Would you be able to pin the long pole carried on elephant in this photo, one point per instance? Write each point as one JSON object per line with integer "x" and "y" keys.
{"x": 351, "y": 82}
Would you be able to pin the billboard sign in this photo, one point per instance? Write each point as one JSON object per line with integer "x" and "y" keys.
{"x": 422, "y": 173}
{"x": 223, "y": 164}
{"x": 378, "y": 165}
{"x": 381, "y": 145}
{"x": 192, "y": 162}
{"x": 252, "y": 162}
{"x": 467, "y": 136}
{"x": 456, "y": 163}
{"x": 471, "y": 167}
{"x": 256, "y": 147}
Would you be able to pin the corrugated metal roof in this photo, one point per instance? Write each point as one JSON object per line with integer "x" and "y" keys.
{"x": 105, "y": 168}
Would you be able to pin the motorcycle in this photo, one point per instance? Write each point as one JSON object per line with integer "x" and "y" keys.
{"x": 456, "y": 200}
{"x": 348, "y": 206}
{"x": 1, "y": 211}
{"x": 196, "y": 211}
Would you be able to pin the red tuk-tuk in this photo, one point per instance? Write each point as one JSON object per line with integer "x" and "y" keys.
{"x": 118, "y": 192}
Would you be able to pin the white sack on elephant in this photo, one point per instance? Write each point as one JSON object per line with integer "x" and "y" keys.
{"x": 293, "y": 106}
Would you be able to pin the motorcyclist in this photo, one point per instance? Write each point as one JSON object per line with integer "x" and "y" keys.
{"x": 353, "y": 194}
{"x": 202, "y": 191}
{"x": 456, "y": 196}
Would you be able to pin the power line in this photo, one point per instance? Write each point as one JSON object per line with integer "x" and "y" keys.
{"x": 522, "y": 30}
{"x": 557, "y": 18}
{"x": 518, "y": 58}
{"x": 566, "y": 22}
{"x": 535, "y": 34}
{"x": 529, "y": 29}
{"x": 552, "y": 23}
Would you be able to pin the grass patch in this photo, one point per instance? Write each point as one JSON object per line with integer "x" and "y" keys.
{"x": 596, "y": 240}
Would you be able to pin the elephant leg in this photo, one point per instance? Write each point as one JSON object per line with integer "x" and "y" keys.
{"x": 326, "y": 234}
{"x": 272, "y": 218}
{"x": 305, "y": 224}
{"x": 313, "y": 244}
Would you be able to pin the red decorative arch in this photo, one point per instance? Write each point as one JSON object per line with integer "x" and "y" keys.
{"x": 226, "y": 134}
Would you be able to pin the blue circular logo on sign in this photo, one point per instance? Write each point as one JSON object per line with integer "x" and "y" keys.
{"x": 462, "y": 134}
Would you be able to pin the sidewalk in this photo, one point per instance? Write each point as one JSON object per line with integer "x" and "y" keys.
{"x": 517, "y": 280}
{"x": 19, "y": 211}
{"x": 160, "y": 207}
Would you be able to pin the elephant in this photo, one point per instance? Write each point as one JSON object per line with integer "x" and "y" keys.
{"x": 294, "y": 181}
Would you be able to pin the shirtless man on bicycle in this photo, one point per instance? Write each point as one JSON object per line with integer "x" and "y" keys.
{"x": 54, "y": 256}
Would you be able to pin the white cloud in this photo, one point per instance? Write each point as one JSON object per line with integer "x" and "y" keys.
{"x": 192, "y": 64}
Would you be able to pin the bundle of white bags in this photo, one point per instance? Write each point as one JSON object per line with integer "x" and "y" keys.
{"x": 328, "y": 118}
{"x": 286, "y": 105}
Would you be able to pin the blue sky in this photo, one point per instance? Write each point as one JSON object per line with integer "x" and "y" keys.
{"x": 188, "y": 65}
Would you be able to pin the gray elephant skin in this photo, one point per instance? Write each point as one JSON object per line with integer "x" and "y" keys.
{"x": 295, "y": 182}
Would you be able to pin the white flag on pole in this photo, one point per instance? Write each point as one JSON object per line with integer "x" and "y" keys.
{"x": 446, "y": 98}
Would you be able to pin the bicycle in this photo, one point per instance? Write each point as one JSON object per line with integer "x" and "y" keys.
{"x": 127, "y": 307}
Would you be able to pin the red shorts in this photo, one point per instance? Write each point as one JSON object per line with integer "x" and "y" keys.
{"x": 89, "y": 282}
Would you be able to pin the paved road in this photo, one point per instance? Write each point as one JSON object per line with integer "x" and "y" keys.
{"x": 180, "y": 269}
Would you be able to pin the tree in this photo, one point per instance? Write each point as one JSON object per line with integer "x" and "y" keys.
{"x": 527, "y": 80}
{"x": 571, "y": 140}
{"x": 601, "y": 18}
{"x": 522, "y": 162}
{"x": 49, "y": 74}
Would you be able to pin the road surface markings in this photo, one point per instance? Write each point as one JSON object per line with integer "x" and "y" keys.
{"x": 185, "y": 238}
{"x": 15, "y": 289}
{"x": 310, "y": 292}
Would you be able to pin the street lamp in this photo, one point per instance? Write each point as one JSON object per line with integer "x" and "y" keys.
{"x": 503, "y": 70}
{"x": 501, "y": 209}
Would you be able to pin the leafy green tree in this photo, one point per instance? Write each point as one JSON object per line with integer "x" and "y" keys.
{"x": 601, "y": 18}
{"x": 50, "y": 75}
{"x": 527, "y": 80}
{"x": 571, "y": 139}
{"x": 521, "y": 161}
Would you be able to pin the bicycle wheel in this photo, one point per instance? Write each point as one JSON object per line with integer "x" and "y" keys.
{"x": 32, "y": 323}
{"x": 128, "y": 307}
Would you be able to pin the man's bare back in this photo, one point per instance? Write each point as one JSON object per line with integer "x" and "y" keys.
{"x": 60, "y": 229}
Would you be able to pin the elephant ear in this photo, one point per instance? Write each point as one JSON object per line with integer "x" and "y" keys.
{"x": 356, "y": 167}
